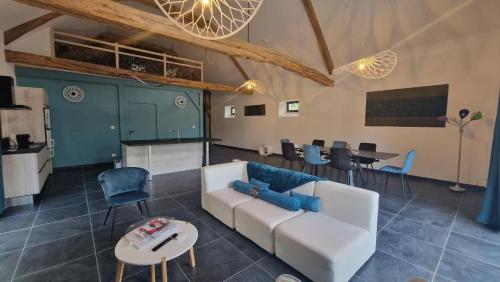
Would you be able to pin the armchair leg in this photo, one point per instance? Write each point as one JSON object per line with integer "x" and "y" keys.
{"x": 115, "y": 211}
{"x": 140, "y": 208}
{"x": 107, "y": 215}
{"x": 147, "y": 209}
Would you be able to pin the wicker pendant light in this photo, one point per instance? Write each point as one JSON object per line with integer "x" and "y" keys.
{"x": 210, "y": 19}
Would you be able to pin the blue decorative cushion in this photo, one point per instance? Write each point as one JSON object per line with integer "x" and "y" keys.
{"x": 279, "y": 179}
{"x": 309, "y": 203}
{"x": 278, "y": 199}
{"x": 247, "y": 188}
{"x": 259, "y": 183}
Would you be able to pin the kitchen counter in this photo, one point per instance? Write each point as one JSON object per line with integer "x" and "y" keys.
{"x": 160, "y": 156}
{"x": 34, "y": 148}
{"x": 168, "y": 141}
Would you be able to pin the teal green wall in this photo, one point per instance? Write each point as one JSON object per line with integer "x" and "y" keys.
{"x": 82, "y": 131}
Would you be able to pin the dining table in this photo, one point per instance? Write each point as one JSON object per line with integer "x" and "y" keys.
{"x": 356, "y": 154}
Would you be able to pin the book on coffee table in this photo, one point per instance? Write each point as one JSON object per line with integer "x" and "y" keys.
{"x": 151, "y": 232}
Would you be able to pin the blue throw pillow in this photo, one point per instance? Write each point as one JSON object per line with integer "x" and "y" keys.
{"x": 247, "y": 188}
{"x": 259, "y": 183}
{"x": 309, "y": 203}
{"x": 278, "y": 199}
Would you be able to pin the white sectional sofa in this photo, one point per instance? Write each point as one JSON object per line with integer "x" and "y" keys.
{"x": 329, "y": 245}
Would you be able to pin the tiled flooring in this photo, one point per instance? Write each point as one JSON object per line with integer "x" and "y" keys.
{"x": 431, "y": 235}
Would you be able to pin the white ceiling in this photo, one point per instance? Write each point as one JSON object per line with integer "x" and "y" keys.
{"x": 353, "y": 28}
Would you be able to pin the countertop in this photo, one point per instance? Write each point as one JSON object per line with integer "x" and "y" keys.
{"x": 168, "y": 141}
{"x": 34, "y": 148}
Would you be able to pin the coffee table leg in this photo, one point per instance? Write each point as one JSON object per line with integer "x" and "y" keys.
{"x": 153, "y": 273}
{"x": 164, "y": 269}
{"x": 191, "y": 257}
{"x": 119, "y": 271}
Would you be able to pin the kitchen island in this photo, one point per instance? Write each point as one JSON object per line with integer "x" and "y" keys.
{"x": 161, "y": 156}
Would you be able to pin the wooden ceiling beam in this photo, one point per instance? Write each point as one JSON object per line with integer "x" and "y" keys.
{"x": 14, "y": 33}
{"x": 323, "y": 46}
{"x": 111, "y": 12}
{"x": 240, "y": 68}
{"x": 27, "y": 59}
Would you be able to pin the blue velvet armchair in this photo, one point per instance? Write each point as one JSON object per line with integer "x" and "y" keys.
{"x": 124, "y": 186}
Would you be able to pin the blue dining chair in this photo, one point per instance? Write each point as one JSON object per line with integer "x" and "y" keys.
{"x": 312, "y": 157}
{"x": 403, "y": 171}
{"x": 124, "y": 186}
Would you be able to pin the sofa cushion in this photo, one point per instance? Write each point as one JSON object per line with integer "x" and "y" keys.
{"x": 322, "y": 247}
{"x": 221, "y": 204}
{"x": 280, "y": 179}
{"x": 247, "y": 188}
{"x": 259, "y": 183}
{"x": 308, "y": 203}
{"x": 280, "y": 200}
{"x": 257, "y": 219}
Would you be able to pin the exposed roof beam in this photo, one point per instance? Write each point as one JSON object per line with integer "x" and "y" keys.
{"x": 114, "y": 13}
{"x": 27, "y": 59}
{"x": 20, "y": 30}
{"x": 240, "y": 68}
{"x": 327, "y": 57}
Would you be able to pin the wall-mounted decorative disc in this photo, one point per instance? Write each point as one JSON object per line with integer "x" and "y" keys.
{"x": 180, "y": 102}
{"x": 73, "y": 94}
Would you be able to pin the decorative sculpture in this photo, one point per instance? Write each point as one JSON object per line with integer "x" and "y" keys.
{"x": 461, "y": 125}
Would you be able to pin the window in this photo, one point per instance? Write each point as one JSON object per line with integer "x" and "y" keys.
{"x": 292, "y": 106}
{"x": 289, "y": 108}
{"x": 229, "y": 112}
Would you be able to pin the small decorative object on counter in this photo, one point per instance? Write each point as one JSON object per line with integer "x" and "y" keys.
{"x": 461, "y": 124}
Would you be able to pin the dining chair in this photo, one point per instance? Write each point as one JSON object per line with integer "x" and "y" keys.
{"x": 283, "y": 141}
{"x": 372, "y": 147}
{"x": 339, "y": 144}
{"x": 319, "y": 142}
{"x": 312, "y": 157}
{"x": 341, "y": 161}
{"x": 124, "y": 186}
{"x": 291, "y": 155}
{"x": 403, "y": 171}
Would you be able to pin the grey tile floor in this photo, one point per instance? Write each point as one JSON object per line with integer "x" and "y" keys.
{"x": 430, "y": 235}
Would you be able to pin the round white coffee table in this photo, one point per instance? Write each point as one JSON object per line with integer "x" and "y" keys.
{"x": 127, "y": 254}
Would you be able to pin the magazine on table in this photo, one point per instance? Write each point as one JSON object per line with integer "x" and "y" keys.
{"x": 152, "y": 232}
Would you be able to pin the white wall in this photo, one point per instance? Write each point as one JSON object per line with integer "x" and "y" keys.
{"x": 469, "y": 65}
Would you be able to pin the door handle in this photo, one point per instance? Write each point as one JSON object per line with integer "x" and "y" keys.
{"x": 130, "y": 132}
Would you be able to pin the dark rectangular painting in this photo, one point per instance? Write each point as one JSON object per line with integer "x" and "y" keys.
{"x": 407, "y": 107}
{"x": 255, "y": 110}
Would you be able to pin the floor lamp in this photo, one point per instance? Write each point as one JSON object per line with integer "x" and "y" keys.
{"x": 461, "y": 124}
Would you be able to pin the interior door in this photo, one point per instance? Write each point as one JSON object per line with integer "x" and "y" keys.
{"x": 141, "y": 121}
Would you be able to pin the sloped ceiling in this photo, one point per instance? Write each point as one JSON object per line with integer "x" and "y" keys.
{"x": 353, "y": 28}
